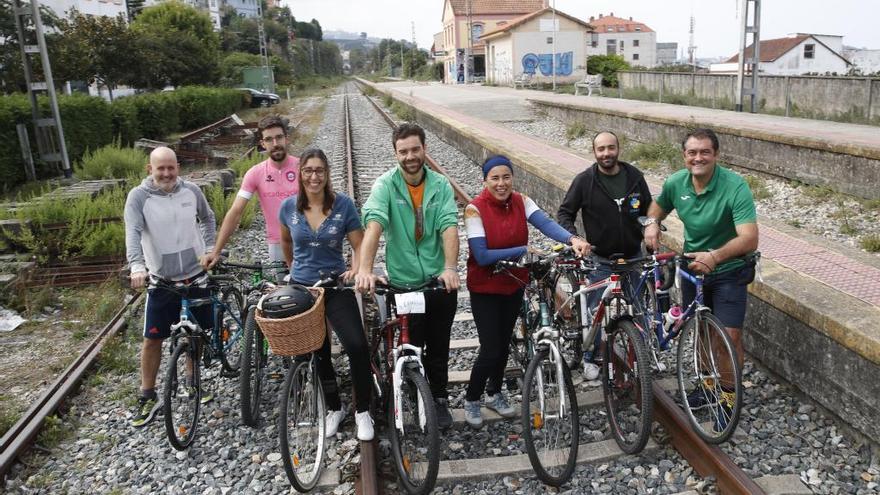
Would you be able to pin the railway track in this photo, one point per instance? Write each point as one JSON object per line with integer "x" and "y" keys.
{"x": 358, "y": 158}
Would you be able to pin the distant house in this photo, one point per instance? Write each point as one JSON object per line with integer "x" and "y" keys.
{"x": 480, "y": 16}
{"x": 667, "y": 53}
{"x": 794, "y": 55}
{"x": 633, "y": 40}
{"x": 525, "y": 45}
{"x": 864, "y": 61}
{"x": 111, "y": 8}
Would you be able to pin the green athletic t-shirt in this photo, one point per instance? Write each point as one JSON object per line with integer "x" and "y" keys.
{"x": 614, "y": 184}
{"x": 710, "y": 218}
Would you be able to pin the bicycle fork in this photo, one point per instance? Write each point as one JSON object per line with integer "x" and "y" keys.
{"x": 547, "y": 336}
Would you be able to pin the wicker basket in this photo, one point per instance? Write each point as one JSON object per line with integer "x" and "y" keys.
{"x": 297, "y": 335}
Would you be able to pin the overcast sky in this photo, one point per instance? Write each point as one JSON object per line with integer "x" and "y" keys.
{"x": 716, "y": 32}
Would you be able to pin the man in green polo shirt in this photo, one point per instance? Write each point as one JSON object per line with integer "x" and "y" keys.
{"x": 720, "y": 224}
{"x": 414, "y": 208}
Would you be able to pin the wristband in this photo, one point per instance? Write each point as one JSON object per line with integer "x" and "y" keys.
{"x": 712, "y": 254}
{"x": 452, "y": 268}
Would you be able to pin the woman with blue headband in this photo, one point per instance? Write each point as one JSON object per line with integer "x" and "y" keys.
{"x": 496, "y": 222}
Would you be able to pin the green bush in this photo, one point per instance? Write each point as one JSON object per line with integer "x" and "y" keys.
{"x": 124, "y": 116}
{"x": 870, "y": 243}
{"x": 14, "y": 109}
{"x": 200, "y": 106}
{"x": 242, "y": 165}
{"x": 111, "y": 162}
{"x": 86, "y": 121}
{"x": 662, "y": 152}
{"x": 157, "y": 114}
{"x": 607, "y": 65}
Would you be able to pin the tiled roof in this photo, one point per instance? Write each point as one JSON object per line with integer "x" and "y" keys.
{"x": 482, "y": 7}
{"x": 771, "y": 49}
{"x": 620, "y": 25}
{"x": 525, "y": 18}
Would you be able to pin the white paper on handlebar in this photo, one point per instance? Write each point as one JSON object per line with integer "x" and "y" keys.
{"x": 410, "y": 303}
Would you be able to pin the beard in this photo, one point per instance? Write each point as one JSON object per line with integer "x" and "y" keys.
{"x": 411, "y": 166}
{"x": 278, "y": 153}
{"x": 608, "y": 163}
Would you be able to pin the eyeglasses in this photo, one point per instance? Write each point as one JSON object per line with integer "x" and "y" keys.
{"x": 275, "y": 139}
{"x": 308, "y": 172}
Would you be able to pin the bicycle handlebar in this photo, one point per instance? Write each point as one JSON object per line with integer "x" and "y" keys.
{"x": 433, "y": 284}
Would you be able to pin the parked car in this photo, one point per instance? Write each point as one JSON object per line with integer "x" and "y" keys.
{"x": 261, "y": 99}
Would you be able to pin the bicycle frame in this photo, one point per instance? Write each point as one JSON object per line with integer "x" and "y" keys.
{"x": 693, "y": 309}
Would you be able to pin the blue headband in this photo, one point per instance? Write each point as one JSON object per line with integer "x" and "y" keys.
{"x": 494, "y": 162}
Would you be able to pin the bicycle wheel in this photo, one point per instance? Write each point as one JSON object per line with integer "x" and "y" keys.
{"x": 182, "y": 395}
{"x": 416, "y": 449}
{"x": 551, "y": 437}
{"x": 301, "y": 425}
{"x": 230, "y": 317}
{"x": 571, "y": 345}
{"x": 709, "y": 378}
{"x": 626, "y": 385}
{"x": 253, "y": 372}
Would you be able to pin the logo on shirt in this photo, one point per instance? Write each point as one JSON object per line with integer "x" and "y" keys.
{"x": 634, "y": 203}
{"x": 337, "y": 216}
{"x": 291, "y": 176}
{"x": 332, "y": 229}
{"x": 686, "y": 197}
{"x": 269, "y": 178}
{"x": 294, "y": 219}
{"x": 187, "y": 204}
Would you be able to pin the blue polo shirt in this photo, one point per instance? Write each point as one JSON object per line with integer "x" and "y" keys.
{"x": 320, "y": 250}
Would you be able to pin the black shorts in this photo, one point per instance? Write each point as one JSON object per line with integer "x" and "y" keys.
{"x": 162, "y": 310}
{"x": 725, "y": 293}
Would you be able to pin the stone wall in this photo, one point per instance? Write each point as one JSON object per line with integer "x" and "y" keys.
{"x": 847, "y": 98}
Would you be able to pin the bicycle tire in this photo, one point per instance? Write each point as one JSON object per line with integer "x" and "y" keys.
{"x": 414, "y": 384}
{"x": 626, "y": 386}
{"x": 302, "y": 410}
{"x": 181, "y": 400}
{"x": 230, "y": 317}
{"x": 553, "y": 465}
{"x": 690, "y": 345}
{"x": 252, "y": 373}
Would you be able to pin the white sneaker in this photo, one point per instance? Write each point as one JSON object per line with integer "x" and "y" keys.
{"x": 364, "y": 426}
{"x": 331, "y": 424}
{"x": 591, "y": 371}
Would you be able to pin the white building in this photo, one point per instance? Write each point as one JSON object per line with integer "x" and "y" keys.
{"x": 525, "y": 45}
{"x": 106, "y": 8}
{"x": 864, "y": 61}
{"x": 633, "y": 40}
{"x": 667, "y": 53}
{"x": 795, "y": 55}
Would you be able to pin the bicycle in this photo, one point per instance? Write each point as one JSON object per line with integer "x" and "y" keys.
{"x": 705, "y": 354}
{"x": 182, "y": 391}
{"x": 625, "y": 375}
{"x": 549, "y": 414}
{"x": 401, "y": 386}
{"x": 255, "y": 350}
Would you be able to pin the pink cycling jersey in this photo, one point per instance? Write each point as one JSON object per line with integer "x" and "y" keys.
{"x": 273, "y": 185}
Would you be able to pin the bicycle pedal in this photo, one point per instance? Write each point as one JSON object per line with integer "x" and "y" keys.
{"x": 229, "y": 374}
{"x": 276, "y": 375}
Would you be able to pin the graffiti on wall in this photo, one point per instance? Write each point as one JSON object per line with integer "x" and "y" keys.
{"x": 544, "y": 63}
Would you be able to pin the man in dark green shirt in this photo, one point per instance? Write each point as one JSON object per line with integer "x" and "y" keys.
{"x": 718, "y": 212}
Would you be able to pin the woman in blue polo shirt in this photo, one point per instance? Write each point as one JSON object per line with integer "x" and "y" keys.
{"x": 314, "y": 224}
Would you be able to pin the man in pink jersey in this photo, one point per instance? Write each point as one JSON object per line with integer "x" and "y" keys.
{"x": 272, "y": 180}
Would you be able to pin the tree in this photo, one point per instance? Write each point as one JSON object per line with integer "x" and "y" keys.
{"x": 97, "y": 49}
{"x": 607, "y": 65}
{"x": 11, "y": 71}
{"x": 178, "y": 46}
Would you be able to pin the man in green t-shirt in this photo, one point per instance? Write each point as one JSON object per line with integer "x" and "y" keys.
{"x": 720, "y": 224}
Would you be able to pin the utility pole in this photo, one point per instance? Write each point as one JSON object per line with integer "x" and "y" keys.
{"x": 553, "y": 64}
{"x": 412, "y": 62}
{"x": 268, "y": 76}
{"x": 48, "y": 130}
{"x": 692, "y": 48}
{"x": 470, "y": 48}
{"x": 749, "y": 87}
{"x": 402, "y": 74}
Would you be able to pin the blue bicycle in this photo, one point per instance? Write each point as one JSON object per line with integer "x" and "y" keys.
{"x": 192, "y": 346}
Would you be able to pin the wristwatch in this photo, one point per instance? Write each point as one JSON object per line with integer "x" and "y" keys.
{"x": 650, "y": 221}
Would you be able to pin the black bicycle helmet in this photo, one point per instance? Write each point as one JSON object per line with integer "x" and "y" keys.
{"x": 286, "y": 301}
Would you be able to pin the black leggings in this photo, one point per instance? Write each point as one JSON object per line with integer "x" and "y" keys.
{"x": 342, "y": 312}
{"x": 432, "y": 331}
{"x": 495, "y": 316}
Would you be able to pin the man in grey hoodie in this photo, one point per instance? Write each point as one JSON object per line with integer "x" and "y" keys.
{"x": 169, "y": 228}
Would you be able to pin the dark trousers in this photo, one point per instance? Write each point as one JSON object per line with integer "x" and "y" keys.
{"x": 431, "y": 331}
{"x": 495, "y": 316}
{"x": 342, "y": 312}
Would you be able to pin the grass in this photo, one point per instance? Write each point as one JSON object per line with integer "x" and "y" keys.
{"x": 795, "y": 223}
{"x": 8, "y": 416}
{"x": 821, "y": 193}
{"x": 870, "y": 243}
{"x": 54, "y": 431}
{"x": 111, "y": 162}
{"x": 387, "y": 100}
{"x": 758, "y": 187}
{"x": 117, "y": 357}
{"x": 575, "y": 130}
{"x": 403, "y": 112}
{"x": 656, "y": 153}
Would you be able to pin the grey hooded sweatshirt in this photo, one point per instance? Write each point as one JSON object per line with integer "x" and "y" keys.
{"x": 166, "y": 232}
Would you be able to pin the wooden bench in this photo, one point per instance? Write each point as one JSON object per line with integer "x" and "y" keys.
{"x": 591, "y": 82}
{"x": 524, "y": 80}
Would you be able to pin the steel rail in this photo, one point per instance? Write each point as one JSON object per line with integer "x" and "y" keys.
{"x": 17, "y": 440}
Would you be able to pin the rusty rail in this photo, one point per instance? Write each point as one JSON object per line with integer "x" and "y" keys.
{"x": 20, "y": 437}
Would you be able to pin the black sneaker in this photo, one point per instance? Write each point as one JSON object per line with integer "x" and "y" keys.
{"x": 444, "y": 417}
{"x": 145, "y": 412}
